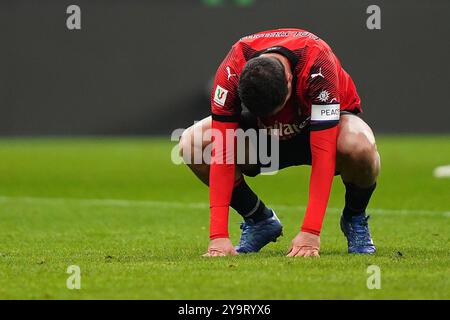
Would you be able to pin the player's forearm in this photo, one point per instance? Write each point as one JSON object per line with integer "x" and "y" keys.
{"x": 323, "y": 150}
{"x": 220, "y": 190}
{"x": 221, "y": 179}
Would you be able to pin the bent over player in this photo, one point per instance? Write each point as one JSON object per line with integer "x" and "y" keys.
{"x": 289, "y": 80}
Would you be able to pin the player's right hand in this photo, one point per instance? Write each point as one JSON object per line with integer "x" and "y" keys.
{"x": 220, "y": 247}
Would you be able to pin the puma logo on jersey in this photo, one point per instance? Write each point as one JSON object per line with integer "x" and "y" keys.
{"x": 319, "y": 74}
{"x": 230, "y": 74}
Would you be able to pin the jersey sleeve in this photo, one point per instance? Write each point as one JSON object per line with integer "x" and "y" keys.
{"x": 323, "y": 96}
{"x": 225, "y": 102}
{"x": 225, "y": 109}
{"x": 323, "y": 92}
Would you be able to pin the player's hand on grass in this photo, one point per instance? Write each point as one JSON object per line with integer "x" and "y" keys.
{"x": 305, "y": 245}
{"x": 220, "y": 247}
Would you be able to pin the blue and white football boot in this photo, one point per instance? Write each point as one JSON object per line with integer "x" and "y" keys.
{"x": 256, "y": 235}
{"x": 357, "y": 232}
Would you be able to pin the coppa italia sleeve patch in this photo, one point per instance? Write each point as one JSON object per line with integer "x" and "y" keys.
{"x": 325, "y": 112}
{"x": 220, "y": 96}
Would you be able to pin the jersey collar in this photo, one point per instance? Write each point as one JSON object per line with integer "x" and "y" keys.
{"x": 283, "y": 51}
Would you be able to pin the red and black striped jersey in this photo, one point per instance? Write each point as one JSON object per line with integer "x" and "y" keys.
{"x": 322, "y": 88}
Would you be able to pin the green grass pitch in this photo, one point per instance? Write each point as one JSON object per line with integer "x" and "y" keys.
{"x": 137, "y": 225}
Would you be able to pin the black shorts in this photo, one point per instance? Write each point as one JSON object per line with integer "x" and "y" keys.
{"x": 295, "y": 151}
{"x": 292, "y": 152}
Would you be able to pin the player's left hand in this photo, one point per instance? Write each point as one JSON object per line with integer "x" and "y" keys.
{"x": 305, "y": 245}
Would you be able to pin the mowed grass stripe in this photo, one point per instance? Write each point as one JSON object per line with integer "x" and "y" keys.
{"x": 191, "y": 205}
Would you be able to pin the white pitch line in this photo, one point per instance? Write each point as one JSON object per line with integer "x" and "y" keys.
{"x": 376, "y": 210}
{"x": 106, "y": 202}
{"x": 191, "y": 205}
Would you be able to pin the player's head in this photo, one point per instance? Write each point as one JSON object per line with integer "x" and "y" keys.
{"x": 264, "y": 85}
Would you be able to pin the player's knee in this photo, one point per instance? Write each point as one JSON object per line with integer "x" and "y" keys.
{"x": 358, "y": 149}
{"x": 192, "y": 150}
{"x": 185, "y": 144}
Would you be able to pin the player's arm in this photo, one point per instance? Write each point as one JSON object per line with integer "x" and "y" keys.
{"x": 221, "y": 176}
{"x": 323, "y": 95}
{"x": 225, "y": 116}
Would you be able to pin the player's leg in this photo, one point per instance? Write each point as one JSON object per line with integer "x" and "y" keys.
{"x": 189, "y": 146}
{"x": 243, "y": 200}
{"x": 358, "y": 162}
{"x": 193, "y": 142}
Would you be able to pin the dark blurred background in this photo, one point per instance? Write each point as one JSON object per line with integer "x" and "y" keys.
{"x": 143, "y": 67}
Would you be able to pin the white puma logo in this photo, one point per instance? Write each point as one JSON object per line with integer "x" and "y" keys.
{"x": 313, "y": 75}
{"x": 230, "y": 74}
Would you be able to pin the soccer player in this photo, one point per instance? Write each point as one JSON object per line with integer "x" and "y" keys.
{"x": 290, "y": 80}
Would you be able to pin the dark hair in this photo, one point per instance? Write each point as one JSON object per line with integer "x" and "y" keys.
{"x": 262, "y": 85}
